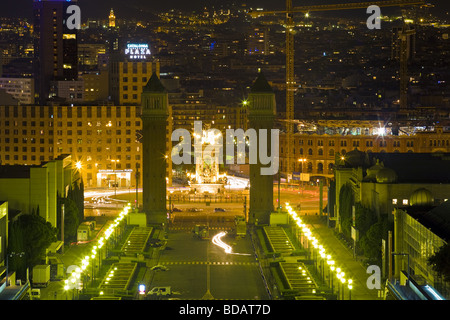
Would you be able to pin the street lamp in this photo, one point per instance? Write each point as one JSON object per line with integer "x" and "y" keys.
{"x": 115, "y": 176}
{"x": 350, "y": 287}
{"x": 302, "y": 160}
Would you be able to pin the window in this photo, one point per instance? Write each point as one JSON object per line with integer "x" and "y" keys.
{"x": 394, "y": 201}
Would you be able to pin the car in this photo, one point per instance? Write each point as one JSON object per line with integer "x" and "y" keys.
{"x": 160, "y": 291}
{"x": 176, "y": 210}
{"x": 219, "y": 210}
{"x": 159, "y": 267}
{"x": 156, "y": 243}
{"x": 195, "y": 210}
{"x": 35, "y": 294}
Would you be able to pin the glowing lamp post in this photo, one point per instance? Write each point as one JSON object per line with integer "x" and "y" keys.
{"x": 350, "y": 287}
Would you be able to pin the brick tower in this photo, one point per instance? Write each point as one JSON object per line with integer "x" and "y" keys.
{"x": 261, "y": 115}
{"x": 155, "y": 111}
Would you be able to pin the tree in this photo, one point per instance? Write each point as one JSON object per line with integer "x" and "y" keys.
{"x": 364, "y": 218}
{"x": 71, "y": 218}
{"x": 371, "y": 241}
{"x": 345, "y": 208}
{"x": 440, "y": 262}
{"x": 16, "y": 245}
{"x": 36, "y": 233}
{"x": 76, "y": 193}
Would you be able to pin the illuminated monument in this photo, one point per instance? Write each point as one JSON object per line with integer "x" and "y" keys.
{"x": 155, "y": 112}
{"x": 261, "y": 115}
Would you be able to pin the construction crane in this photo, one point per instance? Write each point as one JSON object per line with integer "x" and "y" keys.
{"x": 404, "y": 34}
{"x": 290, "y": 52}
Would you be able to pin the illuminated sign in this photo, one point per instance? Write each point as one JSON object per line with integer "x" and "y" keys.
{"x": 137, "y": 51}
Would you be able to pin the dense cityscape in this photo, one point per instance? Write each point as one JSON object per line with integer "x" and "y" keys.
{"x": 228, "y": 151}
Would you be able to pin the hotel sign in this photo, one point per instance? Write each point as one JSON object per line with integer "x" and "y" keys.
{"x": 139, "y": 51}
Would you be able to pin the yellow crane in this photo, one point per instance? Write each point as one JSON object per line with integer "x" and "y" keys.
{"x": 290, "y": 76}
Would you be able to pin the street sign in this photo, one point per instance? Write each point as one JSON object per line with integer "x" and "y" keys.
{"x": 299, "y": 176}
{"x": 304, "y": 176}
{"x": 355, "y": 234}
{"x": 296, "y": 176}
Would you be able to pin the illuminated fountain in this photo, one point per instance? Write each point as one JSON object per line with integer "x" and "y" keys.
{"x": 207, "y": 178}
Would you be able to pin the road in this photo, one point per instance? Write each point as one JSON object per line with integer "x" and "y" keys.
{"x": 198, "y": 269}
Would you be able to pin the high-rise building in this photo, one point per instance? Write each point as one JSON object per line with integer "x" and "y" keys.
{"x": 112, "y": 19}
{"x": 55, "y": 45}
{"x": 396, "y": 43}
{"x": 258, "y": 41}
{"x": 129, "y": 74}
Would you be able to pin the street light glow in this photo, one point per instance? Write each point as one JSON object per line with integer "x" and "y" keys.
{"x": 315, "y": 242}
{"x": 85, "y": 262}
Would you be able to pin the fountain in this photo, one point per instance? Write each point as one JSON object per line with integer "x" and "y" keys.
{"x": 207, "y": 178}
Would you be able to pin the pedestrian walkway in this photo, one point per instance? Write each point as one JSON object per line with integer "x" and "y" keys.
{"x": 212, "y": 263}
{"x": 343, "y": 256}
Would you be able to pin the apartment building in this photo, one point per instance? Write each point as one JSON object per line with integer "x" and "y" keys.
{"x": 315, "y": 153}
{"x": 104, "y": 139}
{"x": 127, "y": 78}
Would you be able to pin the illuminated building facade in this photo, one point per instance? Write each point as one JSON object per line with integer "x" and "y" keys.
{"x": 21, "y": 89}
{"x": 420, "y": 230}
{"x": 314, "y": 151}
{"x": 94, "y": 135}
{"x": 258, "y": 41}
{"x": 188, "y": 107}
{"x": 27, "y": 188}
{"x": 127, "y": 78}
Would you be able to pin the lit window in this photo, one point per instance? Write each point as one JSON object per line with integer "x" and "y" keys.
{"x": 394, "y": 201}
{"x": 405, "y": 201}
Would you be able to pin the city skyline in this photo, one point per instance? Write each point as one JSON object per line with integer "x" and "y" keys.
{"x": 99, "y": 9}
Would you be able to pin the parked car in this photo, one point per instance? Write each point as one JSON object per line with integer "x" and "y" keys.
{"x": 219, "y": 210}
{"x": 160, "y": 291}
{"x": 35, "y": 294}
{"x": 176, "y": 210}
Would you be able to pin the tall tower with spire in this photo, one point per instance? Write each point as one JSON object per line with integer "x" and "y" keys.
{"x": 155, "y": 112}
{"x": 261, "y": 115}
{"x": 112, "y": 19}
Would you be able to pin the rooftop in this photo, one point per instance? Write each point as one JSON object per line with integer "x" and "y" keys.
{"x": 154, "y": 84}
{"x": 416, "y": 167}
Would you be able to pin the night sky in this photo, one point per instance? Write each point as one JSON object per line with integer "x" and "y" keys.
{"x": 137, "y": 8}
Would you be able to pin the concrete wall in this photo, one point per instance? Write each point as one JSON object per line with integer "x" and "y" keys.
{"x": 16, "y": 192}
{"x": 39, "y": 196}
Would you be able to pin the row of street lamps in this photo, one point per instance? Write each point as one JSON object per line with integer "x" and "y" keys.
{"x": 330, "y": 262}
{"x": 73, "y": 280}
